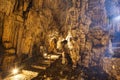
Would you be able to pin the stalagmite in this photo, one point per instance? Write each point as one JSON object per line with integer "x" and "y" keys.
{"x": 60, "y": 39}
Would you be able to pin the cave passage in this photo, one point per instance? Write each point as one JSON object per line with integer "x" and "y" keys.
{"x": 59, "y": 40}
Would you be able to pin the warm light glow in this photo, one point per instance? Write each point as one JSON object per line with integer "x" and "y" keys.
{"x": 15, "y": 71}
{"x": 45, "y": 54}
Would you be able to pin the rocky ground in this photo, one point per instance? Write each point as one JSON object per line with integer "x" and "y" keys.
{"x": 58, "y": 71}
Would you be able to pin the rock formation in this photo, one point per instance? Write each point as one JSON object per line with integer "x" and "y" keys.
{"x": 28, "y": 23}
{"x": 33, "y": 27}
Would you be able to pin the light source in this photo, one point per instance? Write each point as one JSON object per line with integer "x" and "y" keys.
{"x": 15, "y": 71}
{"x": 45, "y": 54}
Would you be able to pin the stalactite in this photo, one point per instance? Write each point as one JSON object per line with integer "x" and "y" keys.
{"x": 40, "y": 23}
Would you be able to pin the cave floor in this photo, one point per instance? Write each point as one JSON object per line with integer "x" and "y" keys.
{"x": 44, "y": 69}
{"x": 52, "y": 69}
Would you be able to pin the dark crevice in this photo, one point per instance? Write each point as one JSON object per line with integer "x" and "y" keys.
{"x": 27, "y": 10}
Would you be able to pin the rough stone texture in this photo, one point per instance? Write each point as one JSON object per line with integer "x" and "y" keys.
{"x": 25, "y": 24}
{"x": 1, "y": 24}
{"x": 32, "y": 27}
{"x": 8, "y": 63}
{"x": 94, "y": 47}
{"x": 97, "y": 12}
{"x": 25, "y": 21}
{"x": 111, "y": 66}
{"x": 7, "y": 6}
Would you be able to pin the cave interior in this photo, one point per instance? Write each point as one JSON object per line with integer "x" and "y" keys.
{"x": 59, "y": 39}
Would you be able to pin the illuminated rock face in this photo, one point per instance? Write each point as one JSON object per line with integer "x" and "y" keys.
{"x": 32, "y": 27}
{"x": 28, "y": 26}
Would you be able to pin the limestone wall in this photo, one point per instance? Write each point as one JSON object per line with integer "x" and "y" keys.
{"x": 28, "y": 23}
{"x": 111, "y": 66}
